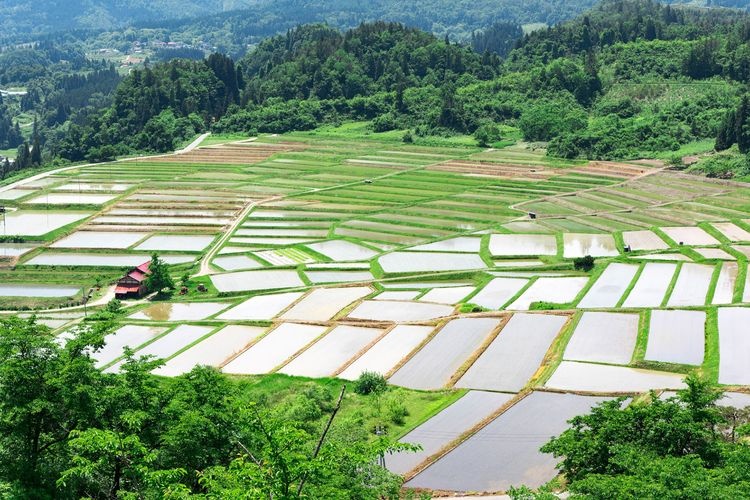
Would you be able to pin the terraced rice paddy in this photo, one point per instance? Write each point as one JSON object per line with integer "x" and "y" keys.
{"x": 342, "y": 251}
{"x": 610, "y": 286}
{"x": 214, "y": 351}
{"x": 589, "y": 377}
{"x": 399, "y": 311}
{"x": 734, "y": 346}
{"x": 170, "y": 343}
{"x": 330, "y": 353}
{"x": 326, "y": 257}
{"x": 522, "y": 244}
{"x": 11, "y": 290}
{"x": 452, "y": 295}
{"x": 447, "y": 426}
{"x": 30, "y": 223}
{"x": 100, "y": 260}
{"x": 384, "y": 356}
{"x": 651, "y": 286}
{"x": 732, "y": 231}
{"x": 256, "y": 280}
{"x": 511, "y": 359}
{"x": 100, "y": 239}
{"x": 274, "y": 349}
{"x": 676, "y": 337}
{"x": 643, "y": 240}
{"x": 323, "y": 303}
{"x": 70, "y": 199}
{"x": 453, "y": 345}
{"x": 580, "y": 245}
{"x": 691, "y": 286}
{"x": 261, "y": 307}
{"x": 551, "y": 290}
{"x": 175, "y": 311}
{"x": 603, "y": 338}
{"x": 412, "y": 262}
{"x": 498, "y": 292}
{"x": 690, "y": 236}
{"x": 172, "y": 242}
{"x": 127, "y": 336}
{"x": 495, "y": 458}
{"x": 236, "y": 263}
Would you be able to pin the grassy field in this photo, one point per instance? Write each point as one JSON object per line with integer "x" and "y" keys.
{"x": 370, "y": 410}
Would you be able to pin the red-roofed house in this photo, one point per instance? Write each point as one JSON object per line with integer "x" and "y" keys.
{"x": 133, "y": 284}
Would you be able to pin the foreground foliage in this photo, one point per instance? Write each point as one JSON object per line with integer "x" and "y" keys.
{"x": 68, "y": 430}
{"x": 679, "y": 447}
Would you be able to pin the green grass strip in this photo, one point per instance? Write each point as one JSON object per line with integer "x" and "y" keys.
{"x": 639, "y": 353}
{"x": 711, "y": 360}
{"x": 671, "y": 286}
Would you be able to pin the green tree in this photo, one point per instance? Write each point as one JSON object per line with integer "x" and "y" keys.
{"x": 742, "y": 125}
{"x": 158, "y": 277}
{"x": 680, "y": 447}
{"x": 46, "y": 392}
{"x": 36, "y": 147}
{"x": 548, "y": 119}
{"x": 487, "y": 134}
{"x": 280, "y": 463}
{"x": 370, "y": 383}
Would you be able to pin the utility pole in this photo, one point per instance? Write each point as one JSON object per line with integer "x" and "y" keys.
{"x": 379, "y": 431}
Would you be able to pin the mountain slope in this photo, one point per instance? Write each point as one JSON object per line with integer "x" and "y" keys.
{"x": 261, "y": 18}
{"x": 42, "y": 16}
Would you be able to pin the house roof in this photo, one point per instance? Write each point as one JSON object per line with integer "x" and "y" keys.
{"x": 126, "y": 289}
{"x": 137, "y": 275}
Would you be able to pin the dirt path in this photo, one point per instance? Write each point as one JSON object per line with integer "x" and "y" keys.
{"x": 193, "y": 144}
{"x": 205, "y": 268}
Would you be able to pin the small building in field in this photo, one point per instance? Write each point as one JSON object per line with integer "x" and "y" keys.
{"x": 133, "y": 284}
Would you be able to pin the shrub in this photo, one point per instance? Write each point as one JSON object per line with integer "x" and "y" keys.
{"x": 487, "y": 134}
{"x": 370, "y": 383}
{"x": 583, "y": 263}
{"x": 384, "y": 123}
{"x": 114, "y": 306}
{"x": 397, "y": 411}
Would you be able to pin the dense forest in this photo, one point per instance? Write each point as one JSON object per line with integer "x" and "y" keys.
{"x": 44, "y": 16}
{"x": 628, "y": 79}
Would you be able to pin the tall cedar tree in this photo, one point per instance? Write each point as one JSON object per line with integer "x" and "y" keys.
{"x": 158, "y": 277}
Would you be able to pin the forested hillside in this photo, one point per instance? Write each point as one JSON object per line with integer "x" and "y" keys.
{"x": 44, "y": 16}
{"x": 231, "y": 32}
{"x": 628, "y": 79}
{"x": 228, "y": 23}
